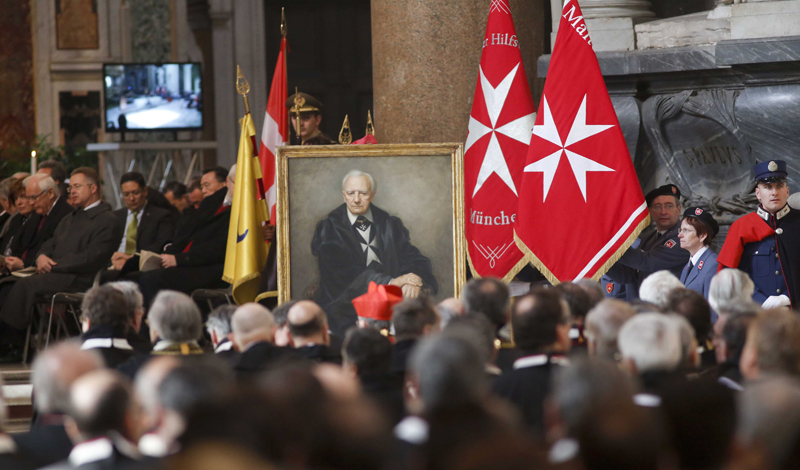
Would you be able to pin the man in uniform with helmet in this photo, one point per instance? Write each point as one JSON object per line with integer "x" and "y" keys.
{"x": 310, "y": 110}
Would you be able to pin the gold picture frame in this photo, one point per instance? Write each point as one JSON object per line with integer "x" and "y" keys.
{"x": 309, "y": 180}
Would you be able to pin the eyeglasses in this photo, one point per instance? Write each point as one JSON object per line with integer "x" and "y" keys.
{"x": 686, "y": 230}
{"x": 33, "y": 198}
{"x": 658, "y": 207}
{"x": 74, "y": 187}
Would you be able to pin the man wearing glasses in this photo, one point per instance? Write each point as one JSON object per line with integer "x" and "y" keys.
{"x": 658, "y": 247}
{"x": 81, "y": 245}
{"x": 42, "y": 192}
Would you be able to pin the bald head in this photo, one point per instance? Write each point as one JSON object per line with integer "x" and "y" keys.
{"x": 100, "y": 402}
{"x": 252, "y": 323}
{"x": 55, "y": 370}
{"x": 307, "y": 324}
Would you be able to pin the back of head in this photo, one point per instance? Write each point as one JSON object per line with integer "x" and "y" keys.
{"x": 219, "y": 320}
{"x": 694, "y": 307}
{"x": 147, "y": 382}
{"x": 175, "y": 317}
{"x": 593, "y": 288}
{"x": 577, "y": 299}
{"x": 476, "y": 329}
{"x": 587, "y": 386}
{"x": 729, "y": 287}
{"x": 622, "y": 438}
{"x": 133, "y": 296}
{"x": 54, "y": 371}
{"x": 99, "y": 404}
{"x": 105, "y": 305}
{"x": 449, "y": 372}
{"x": 704, "y": 442}
{"x": 488, "y": 296}
{"x": 177, "y": 189}
{"x": 734, "y": 334}
{"x": 652, "y": 341}
{"x": 282, "y": 311}
{"x": 306, "y": 319}
{"x": 689, "y": 356}
{"x": 252, "y": 322}
{"x": 195, "y": 382}
{"x": 536, "y": 317}
{"x": 603, "y": 323}
{"x": 413, "y": 318}
{"x": 448, "y": 309}
{"x": 368, "y": 350}
{"x": 657, "y": 287}
{"x": 769, "y": 416}
{"x": 776, "y": 337}
{"x": 57, "y": 170}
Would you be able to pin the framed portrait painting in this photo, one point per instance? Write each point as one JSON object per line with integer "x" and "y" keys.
{"x": 348, "y": 215}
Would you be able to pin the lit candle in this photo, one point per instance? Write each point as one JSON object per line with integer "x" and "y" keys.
{"x": 33, "y": 162}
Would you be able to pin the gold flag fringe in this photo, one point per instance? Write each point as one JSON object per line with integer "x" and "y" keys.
{"x": 537, "y": 263}
{"x": 509, "y": 275}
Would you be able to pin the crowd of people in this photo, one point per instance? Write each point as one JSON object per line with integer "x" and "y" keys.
{"x": 588, "y": 382}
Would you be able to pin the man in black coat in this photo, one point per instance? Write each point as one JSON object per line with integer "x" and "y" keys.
{"x": 541, "y": 325}
{"x": 144, "y": 226}
{"x": 412, "y": 319}
{"x": 254, "y": 334}
{"x": 357, "y": 243}
{"x": 50, "y": 206}
{"x": 81, "y": 246}
{"x": 308, "y": 330}
{"x": 196, "y": 257}
{"x": 106, "y": 319}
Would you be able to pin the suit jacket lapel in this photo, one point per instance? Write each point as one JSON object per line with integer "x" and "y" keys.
{"x": 685, "y": 272}
{"x": 697, "y": 268}
{"x": 140, "y": 227}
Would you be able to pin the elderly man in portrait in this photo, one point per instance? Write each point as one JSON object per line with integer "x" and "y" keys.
{"x": 357, "y": 243}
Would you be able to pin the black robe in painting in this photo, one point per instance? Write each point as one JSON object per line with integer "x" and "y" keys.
{"x": 343, "y": 273}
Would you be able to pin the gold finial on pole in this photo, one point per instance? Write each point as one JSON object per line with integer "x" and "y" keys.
{"x": 243, "y": 88}
{"x": 284, "y": 28}
{"x": 345, "y": 136}
{"x": 299, "y": 101}
{"x": 370, "y": 126}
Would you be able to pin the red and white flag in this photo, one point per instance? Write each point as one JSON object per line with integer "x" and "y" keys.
{"x": 276, "y": 129}
{"x": 580, "y": 204}
{"x": 499, "y": 132}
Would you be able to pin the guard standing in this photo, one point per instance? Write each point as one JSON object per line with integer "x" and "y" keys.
{"x": 309, "y": 111}
{"x": 766, "y": 243}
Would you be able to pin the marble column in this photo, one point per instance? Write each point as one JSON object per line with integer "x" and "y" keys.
{"x": 425, "y": 57}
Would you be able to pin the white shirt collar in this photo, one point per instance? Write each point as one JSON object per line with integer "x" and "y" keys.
{"x": 540, "y": 360}
{"x": 353, "y": 217}
{"x": 226, "y": 346}
{"x": 412, "y": 429}
{"x": 647, "y": 400}
{"x": 106, "y": 343}
{"x": 141, "y": 209}
{"x": 696, "y": 257}
{"x": 91, "y": 451}
{"x": 92, "y": 205}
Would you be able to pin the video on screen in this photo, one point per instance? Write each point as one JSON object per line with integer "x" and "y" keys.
{"x": 153, "y": 97}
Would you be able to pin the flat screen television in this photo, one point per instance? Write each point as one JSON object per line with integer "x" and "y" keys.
{"x": 153, "y": 97}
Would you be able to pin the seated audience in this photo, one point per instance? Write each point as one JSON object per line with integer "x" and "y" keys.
{"x": 374, "y": 309}
{"x": 106, "y": 321}
{"x": 448, "y": 309}
{"x": 13, "y": 227}
{"x": 196, "y": 257}
{"x": 730, "y": 287}
{"x": 218, "y": 326}
{"x": 102, "y": 422}
{"x": 541, "y": 325}
{"x": 728, "y": 346}
{"x": 52, "y": 374}
{"x": 158, "y": 431}
{"x": 282, "y": 337}
{"x": 80, "y": 247}
{"x": 145, "y": 227}
{"x": 579, "y": 304}
{"x": 308, "y": 329}
{"x": 603, "y": 323}
{"x": 490, "y": 297}
{"x": 594, "y": 289}
{"x": 478, "y": 331}
{"x": 254, "y": 334}
{"x": 367, "y": 355}
{"x": 656, "y": 288}
{"x": 695, "y": 309}
{"x": 139, "y": 333}
{"x": 55, "y": 170}
{"x": 194, "y": 193}
{"x": 651, "y": 349}
{"x": 175, "y": 192}
{"x": 772, "y": 346}
{"x": 412, "y": 320}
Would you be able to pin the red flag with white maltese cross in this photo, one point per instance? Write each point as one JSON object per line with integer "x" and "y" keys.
{"x": 499, "y": 132}
{"x": 580, "y": 204}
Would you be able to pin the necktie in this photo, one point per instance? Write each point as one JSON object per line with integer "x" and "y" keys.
{"x": 130, "y": 235}
{"x": 361, "y": 223}
{"x": 691, "y": 266}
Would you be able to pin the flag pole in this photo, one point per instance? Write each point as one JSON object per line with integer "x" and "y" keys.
{"x": 299, "y": 101}
{"x": 284, "y": 33}
{"x": 243, "y": 88}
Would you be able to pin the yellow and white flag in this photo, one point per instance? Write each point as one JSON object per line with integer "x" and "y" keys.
{"x": 246, "y": 254}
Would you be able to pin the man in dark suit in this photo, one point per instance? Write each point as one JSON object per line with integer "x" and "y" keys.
{"x": 106, "y": 320}
{"x": 541, "y": 325}
{"x": 103, "y": 423}
{"x": 413, "y": 319}
{"x": 196, "y": 257}
{"x": 659, "y": 248}
{"x": 308, "y": 329}
{"x": 52, "y": 374}
{"x": 357, "y": 243}
{"x": 144, "y": 226}
{"x": 50, "y": 206}
{"x": 254, "y": 334}
{"x": 81, "y": 246}
{"x": 218, "y": 327}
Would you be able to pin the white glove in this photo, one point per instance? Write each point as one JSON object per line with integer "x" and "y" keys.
{"x": 776, "y": 301}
